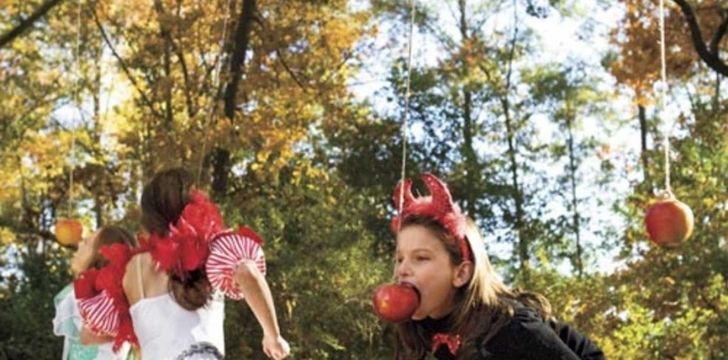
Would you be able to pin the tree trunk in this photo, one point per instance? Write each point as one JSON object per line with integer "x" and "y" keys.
{"x": 471, "y": 162}
{"x": 517, "y": 192}
{"x": 220, "y": 171}
{"x": 574, "y": 200}
{"x": 468, "y": 124}
{"x": 643, "y": 137}
{"x": 241, "y": 41}
{"x": 164, "y": 32}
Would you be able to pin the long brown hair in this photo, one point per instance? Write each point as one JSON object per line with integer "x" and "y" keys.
{"x": 108, "y": 235}
{"x": 482, "y": 307}
{"x": 163, "y": 200}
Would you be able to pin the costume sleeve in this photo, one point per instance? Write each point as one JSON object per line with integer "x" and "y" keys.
{"x": 528, "y": 337}
{"x": 101, "y": 300}
{"x": 227, "y": 251}
{"x": 99, "y": 314}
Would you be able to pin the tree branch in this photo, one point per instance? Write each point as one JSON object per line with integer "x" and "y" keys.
{"x": 124, "y": 67}
{"x": 710, "y": 59}
{"x": 277, "y": 49}
{"x": 28, "y": 22}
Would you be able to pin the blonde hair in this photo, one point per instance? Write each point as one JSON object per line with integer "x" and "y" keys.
{"x": 482, "y": 307}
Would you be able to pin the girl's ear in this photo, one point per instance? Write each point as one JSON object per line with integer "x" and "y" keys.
{"x": 463, "y": 273}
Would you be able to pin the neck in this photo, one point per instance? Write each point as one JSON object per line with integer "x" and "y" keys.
{"x": 446, "y": 308}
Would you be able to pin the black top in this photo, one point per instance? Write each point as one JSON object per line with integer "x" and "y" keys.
{"x": 527, "y": 337}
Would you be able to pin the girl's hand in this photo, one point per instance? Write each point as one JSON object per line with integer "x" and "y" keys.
{"x": 276, "y": 347}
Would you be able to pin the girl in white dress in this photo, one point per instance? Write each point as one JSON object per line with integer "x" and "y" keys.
{"x": 167, "y": 297}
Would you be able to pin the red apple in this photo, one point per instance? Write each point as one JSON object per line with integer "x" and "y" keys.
{"x": 68, "y": 231}
{"x": 669, "y": 222}
{"x": 395, "y": 302}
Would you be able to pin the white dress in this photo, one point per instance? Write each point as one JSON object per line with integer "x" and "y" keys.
{"x": 165, "y": 329}
{"x": 67, "y": 323}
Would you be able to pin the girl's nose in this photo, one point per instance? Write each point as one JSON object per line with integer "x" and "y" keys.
{"x": 402, "y": 271}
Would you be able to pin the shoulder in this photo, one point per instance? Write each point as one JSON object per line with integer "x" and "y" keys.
{"x": 141, "y": 261}
{"x": 64, "y": 294}
{"x": 527, "y": 336}
{"x": 577, "y": 342}
{"x": 138, "y": 265}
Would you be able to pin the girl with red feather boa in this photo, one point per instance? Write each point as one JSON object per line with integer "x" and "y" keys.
{"x": 167, "y": 296}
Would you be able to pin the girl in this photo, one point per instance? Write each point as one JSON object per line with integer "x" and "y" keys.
{"x": 168, "y": 296}
{"x": 465, "y": 311}
{"x": 67, "y": 321}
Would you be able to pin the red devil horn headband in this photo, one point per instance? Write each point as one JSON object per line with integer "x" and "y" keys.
{"x": 438, "y": 206}
{"x": 441, "y": 197}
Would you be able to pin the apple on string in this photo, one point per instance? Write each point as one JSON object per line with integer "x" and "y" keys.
{"x": 669, "y": 222}
{"x": 68, "y": 231}
{"x": 395, "y": 302}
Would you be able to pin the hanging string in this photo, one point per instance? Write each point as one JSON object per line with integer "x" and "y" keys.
{"x": 663, "y": 95}
{"x": 213, "y": 98}
{"x": 407, "y": 95}
{"x": 76, "y": 99}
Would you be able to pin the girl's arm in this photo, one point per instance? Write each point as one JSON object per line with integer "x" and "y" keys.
{"x": 258, "y": 296}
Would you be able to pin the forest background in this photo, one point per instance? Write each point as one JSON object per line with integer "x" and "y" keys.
{"x": 543, "y": 116}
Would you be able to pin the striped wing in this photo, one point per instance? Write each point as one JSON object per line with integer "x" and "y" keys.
{"x": 227, "y": 251}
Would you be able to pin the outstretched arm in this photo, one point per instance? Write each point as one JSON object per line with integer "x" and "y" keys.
{"x": 257, "y": 293}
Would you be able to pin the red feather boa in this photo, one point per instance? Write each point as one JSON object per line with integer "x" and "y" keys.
{"x": 107, "y": 281}
{"x": 185, "y": 248}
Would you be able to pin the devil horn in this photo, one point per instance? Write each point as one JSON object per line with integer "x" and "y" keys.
{"x": 407, "y": 198}
{"x": 440, "y": 194}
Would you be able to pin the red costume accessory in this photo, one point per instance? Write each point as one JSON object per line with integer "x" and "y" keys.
{"x": 438, "y": 206}
{"x": 226, "y": 253}
{"x": 452, "y": 342}
{"x": 185, "y": 248}
{"x": 101, "y": 299}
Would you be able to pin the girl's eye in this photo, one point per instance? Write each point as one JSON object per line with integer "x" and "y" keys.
{"x": 422, "y": 258}
{"x": 399, "y": 260}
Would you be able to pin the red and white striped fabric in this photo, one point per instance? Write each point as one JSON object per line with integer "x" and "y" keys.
{"x": 99, "y": 314}
{"x": 227, "y": 251}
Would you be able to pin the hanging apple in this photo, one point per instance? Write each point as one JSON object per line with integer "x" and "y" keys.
{"x": 669, "y": 222}
{"x": 395, "y": 302}
{"x": 68, "y": 231}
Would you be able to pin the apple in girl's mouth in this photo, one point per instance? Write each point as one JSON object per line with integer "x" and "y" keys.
{"x": 396, "y": 302}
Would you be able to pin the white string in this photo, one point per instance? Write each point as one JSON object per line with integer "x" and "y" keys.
{"x": 76, "y": 99}
{"x": 663, "y": 95}
{"x": 406, "y": 105}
